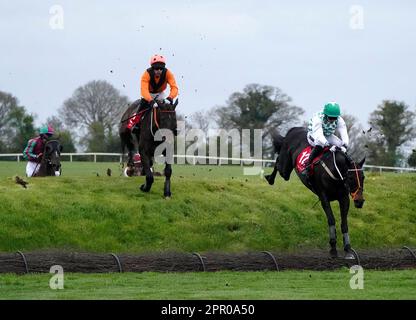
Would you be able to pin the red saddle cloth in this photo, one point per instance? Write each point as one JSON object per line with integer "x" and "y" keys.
{"x": 135, "y": 119}
{"x": 303, "y": 158}
{"x": 137, "y": 159}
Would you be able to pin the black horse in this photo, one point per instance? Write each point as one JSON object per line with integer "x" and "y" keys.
{"x": 334, "y": 177}
{"x": 50, "y": 164}
{"x": 126, "y": 134}
{"x": 152, "y": 120}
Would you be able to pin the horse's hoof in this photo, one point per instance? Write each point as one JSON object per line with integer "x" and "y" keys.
{"x": 269, "y": 180}
{"x": 349, "y": 256}
{"x": 167, "y": 198}
{"x": 143, "y": 188}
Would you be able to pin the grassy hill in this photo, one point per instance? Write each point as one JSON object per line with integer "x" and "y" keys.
{"x": 212, "y": 208}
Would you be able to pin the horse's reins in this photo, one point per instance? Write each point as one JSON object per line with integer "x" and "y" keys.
{"x": 353, "y": 194}
{"x": 44, "y": 152}
{"x": 34, "y": 171}
{"x": 154, "y": 116}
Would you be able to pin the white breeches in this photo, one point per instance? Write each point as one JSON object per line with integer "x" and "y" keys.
{"x": 32, "y": 168}
{"x": 160, "y": 96}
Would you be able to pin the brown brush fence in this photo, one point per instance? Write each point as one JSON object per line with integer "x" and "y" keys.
{"x": 40, "y": 262}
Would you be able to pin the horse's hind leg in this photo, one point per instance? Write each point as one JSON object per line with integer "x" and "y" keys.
{"x": 168, "y": 174}
{"x": 271, "y": 177}
{"x": 331, "y": 226}
{"x": 127, "y": 141}
{"x": 344, "y": 205}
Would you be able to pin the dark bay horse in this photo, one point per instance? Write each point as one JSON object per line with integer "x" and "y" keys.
{"x": 50, "y": 164}
{"x": 126, "y": 134}
{"x": 155, "y": 122}
{"x": 335, "y": 176}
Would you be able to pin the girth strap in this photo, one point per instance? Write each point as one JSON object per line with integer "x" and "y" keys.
{"x": 328, "y": 171}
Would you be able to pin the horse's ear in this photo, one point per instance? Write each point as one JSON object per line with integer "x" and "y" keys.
{"x": 175, "y": 104}
{"x": 61, "y": 148}
{"x": 361, "y": 163}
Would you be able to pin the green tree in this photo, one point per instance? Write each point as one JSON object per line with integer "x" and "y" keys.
{"x": 95, "y": 109}
{"x": 356, "y": 148}
{"x": 7, "y": 101}
{"x": 20, "y": 129}
{"x": 62, "y": 134}
{"x": 412, "y": 159}
{"x": 258, "y": 107}
{"x": 112, "y": 141}
{"x": 95, "y": 139}
{"x": 392, "y": 124}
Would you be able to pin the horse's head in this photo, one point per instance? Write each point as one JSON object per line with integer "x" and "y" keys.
{"x": 355, "y": 181}
{"x": 167, "y": 116}
{"x": 52, "y": 155}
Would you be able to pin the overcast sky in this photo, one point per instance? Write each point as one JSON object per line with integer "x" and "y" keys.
{"x": 315, "y": 51}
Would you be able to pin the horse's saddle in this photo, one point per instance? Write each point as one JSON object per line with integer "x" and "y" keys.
{"x": 135, "y": 119}
{"x": 302, "y": 158}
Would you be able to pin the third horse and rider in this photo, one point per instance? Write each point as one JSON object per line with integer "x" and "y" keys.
{"x": 43, "y": 154}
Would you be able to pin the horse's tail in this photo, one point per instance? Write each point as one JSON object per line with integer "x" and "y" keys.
{"x": 277, "y": 140}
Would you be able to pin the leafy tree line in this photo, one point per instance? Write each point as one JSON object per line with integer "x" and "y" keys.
{"x": 90, "y": 118}
{"x": 390, "y": 127}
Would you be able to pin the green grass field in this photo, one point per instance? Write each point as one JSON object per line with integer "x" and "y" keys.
{"x": 218, "y": 285}
{"x": 212, "y": 208}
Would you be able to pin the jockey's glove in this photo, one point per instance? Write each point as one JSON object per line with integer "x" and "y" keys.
{"x": 170, "y": 100}
{"x": 333, "y": 149}
{"x": 153, "y": 104}
{"x": 39, "y": 156}
{"x": 343, "y": 149}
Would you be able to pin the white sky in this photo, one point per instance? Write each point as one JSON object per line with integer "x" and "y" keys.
{"x": 307, "y": 48}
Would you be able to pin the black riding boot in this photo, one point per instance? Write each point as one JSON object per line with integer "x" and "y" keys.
{"x": 142, "y": 104}
{"x": 314, "y": 153}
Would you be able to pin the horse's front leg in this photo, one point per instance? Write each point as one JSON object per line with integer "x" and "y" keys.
{"x": 271, "y": 177}
{"x": 331, "y": 225}
{"x": 149, "y": 175}
{"x": 344, "y": 205}
{"x": 168, "y": 174}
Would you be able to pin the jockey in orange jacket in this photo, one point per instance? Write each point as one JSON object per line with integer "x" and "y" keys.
{"x": 154, "y": 83}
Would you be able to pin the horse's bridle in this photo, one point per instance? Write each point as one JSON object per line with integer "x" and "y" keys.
{"x": 353, "y": 193}
{"x": 48, "y": 159}
{"x": 154, "y": 116}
